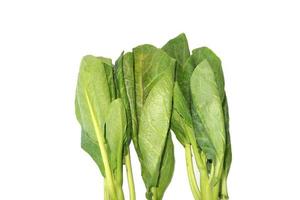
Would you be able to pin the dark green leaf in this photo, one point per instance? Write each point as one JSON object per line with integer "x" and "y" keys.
{"x": 92, "y": 148}
{"x": 116, "y": 125}
{"x": 178, "y": 49}
{"x": 228, "y": 154}
{"x": 115, "y": 128}
{"x": 108, "y": 66}
{"x": 125, "y": 87}
{"x": 181, "y": 121}
{"x": 154, "y": 75}
{"x": 92, "y": 88}
{"x": 205, "y": 53}
{"x": 143, "y": 74}
{"x": 208, "y": 107}
{"x": 167, "y": 168}
{"x": 215, "y": 63}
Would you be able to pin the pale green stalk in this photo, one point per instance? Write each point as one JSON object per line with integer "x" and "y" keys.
{"x": 191, "y": 174}
{"x": 223, "y": 188}
{"x": 106, "y": 193}
{"x": 216, "y": 190}
{"x": 199, "y": 160}
{"x": 154, "y": 193}
{"x": 130, "y": 176}
{"x": 205, "y": 187}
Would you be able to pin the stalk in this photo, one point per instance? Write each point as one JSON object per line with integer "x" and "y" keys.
{"x": 200, "y": 163}
{"x": 100, "y": 139}
{"x": 106, "y": 194}
{"x": 206, "y": 189}
{"x": 216, "y": 191}
{"x": 154, "y": 193}
{"x": 191, "y": 174}
{"x": 223, "y": 188}
{"x": 118, "y": 178}
{"x": 130, "y": 176}
{"x": 120, "y": 193}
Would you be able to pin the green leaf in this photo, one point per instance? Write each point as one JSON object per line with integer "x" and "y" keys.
{"x": 208, "y": 108}
{"x": 154, "y": 75}
{"x": 185, "y": 72}
{"x": 167, "y": 168}
{"x": 228, "y": 153}
{"x": 178, "y": 49}
{"x": 108, "y": 66}
{"x": 183, "y": 76}
{"x": 205, "y": 53}
{"x": 125, "y": 87}
{"x": 92, "y": 148}
{"x": 115, "y": 132}
{"x": 215, "y": 63}
{"x": 181, "y": 121}
{"x": 92, "y": 88}
{"x": 143, "y": 74}
{"x": 77, "y": 110}
{"x": 153, "y": 129}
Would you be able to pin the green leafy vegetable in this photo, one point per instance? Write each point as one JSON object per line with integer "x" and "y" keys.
{"x": 145, "y": 95}
{"x": 186, "y": 122}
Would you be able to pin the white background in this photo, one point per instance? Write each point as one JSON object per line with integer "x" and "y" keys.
{"x": 41, "y": 45}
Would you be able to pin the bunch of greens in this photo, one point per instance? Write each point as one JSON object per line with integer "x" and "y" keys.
{"x": 142, "y": 97}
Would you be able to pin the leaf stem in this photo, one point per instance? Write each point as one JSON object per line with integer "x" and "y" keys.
{"x": 154, "y": 193}
{"x": 129, "y": 176}
{"x": 106, "y": 192}
{"x": 191, "y": 174}
{"x": 101, "y": 143}
{"x": 216, "y": 190}
{"x": 223, "y": 188}
{"x": 199, "y": 161}
{"x": 206, "y": 189}
{"x": 120, "y": 193}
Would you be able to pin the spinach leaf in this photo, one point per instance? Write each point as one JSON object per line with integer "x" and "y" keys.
{"x": 115, "y": 132}
{"x": 92, "y": 80}
{"x": 167, "y": 168}
{"x": 154, "y": 75}
{"x": 108, "y": 67}
{"x": 208, "y": 109}
{"x": 93, "y": 87}
{"x": 228, "y": 153}
{"x": 205, "y": 53}
{"x": 178, "y": 49}
{"x": 215, "y": 63}
{"x": 181, "y": 121}
{"x": 144, "y": 74}
{"x": 92, "y": 148}
{"x": 125, "y": 88}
